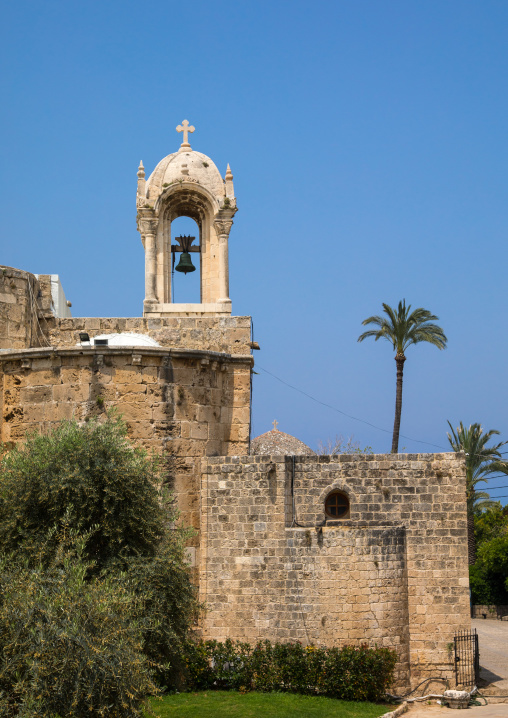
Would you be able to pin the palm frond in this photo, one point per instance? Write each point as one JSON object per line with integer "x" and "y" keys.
{"x": 481, "y": 460}
{"x": 403, "y": 327}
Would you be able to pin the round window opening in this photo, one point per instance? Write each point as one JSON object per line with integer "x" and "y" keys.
{"x": 337, "y": 505}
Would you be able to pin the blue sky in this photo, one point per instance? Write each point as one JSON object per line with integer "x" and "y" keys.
{"x": 369, "y": 149}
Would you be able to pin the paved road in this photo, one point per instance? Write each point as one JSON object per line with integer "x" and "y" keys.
{"x": 493, "y": 640}
{"x": 491, "y": 711}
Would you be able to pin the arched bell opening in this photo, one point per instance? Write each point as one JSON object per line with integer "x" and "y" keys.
{"x": 183, "y": 211}
{"x": 186, "y": 209}
{"x": 186, "y": 275}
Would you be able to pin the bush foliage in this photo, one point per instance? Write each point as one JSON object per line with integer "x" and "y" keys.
{"x": 350, "y": 673}
{"x": 89, "y": 475}
{"x": 70, "y": 646}
{"x": 167, "y": 607}
{"x": 489, "y": 575}
{"x": 116, "y": 619}
{"x": 96, "y": 604}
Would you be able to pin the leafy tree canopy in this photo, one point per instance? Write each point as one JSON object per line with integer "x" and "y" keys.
{"x": 489, "y": 575}
{"x": 491, "y": 524}
{"x": 89, "y": 481}
{"x": 83, "y": 476}
{"x": 71, "y": 646}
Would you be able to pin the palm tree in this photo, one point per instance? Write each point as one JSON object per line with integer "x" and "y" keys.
{"x": 481, "y": 460}
{"x": 402, "y": 327}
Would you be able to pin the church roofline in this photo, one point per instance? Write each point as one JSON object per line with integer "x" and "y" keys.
{"x": 40, "y": 352}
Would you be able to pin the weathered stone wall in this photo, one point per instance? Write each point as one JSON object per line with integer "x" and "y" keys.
{"x": 27, "y": 320}
{"x": 26, "y": 309}
{"x": 394, "y": 573}
{"x": 45, "y": 300}
{"x": 493, "y": 612}
{"x": 219, "y": 334}
{"x": 182, "y": 404}
{"x": 18, "y": 309}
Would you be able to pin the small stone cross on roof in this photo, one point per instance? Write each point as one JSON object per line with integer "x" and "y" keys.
{"x": 185, "y": 128}
{"x": 275, "y": 424}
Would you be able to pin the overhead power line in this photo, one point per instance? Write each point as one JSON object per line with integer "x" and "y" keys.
{"x": 356, "y": 418}
{"x": 350, "y": 416}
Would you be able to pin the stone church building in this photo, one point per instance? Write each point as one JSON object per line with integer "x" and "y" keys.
{"x": 321, "y": 549}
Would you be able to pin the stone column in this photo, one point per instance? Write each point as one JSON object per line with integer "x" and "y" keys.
{"x": 148, "y": 230}
{"x": 223, "y": 227}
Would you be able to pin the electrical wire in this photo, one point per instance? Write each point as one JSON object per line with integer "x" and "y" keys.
{"x": 350, "y": 416}
{"x": 368, "y": 423}
{"x": 339, "y": 411}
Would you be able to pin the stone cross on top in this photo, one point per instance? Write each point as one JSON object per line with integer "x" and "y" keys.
{"x": 185, "y": 128}
{"x": 275, "y": 424}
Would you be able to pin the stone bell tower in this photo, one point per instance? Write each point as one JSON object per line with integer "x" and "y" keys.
{"x": 186, "y": 184}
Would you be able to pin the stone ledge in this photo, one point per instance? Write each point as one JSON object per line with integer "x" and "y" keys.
{"x": 35, "y": 353}
{"x": 186, "y": 310}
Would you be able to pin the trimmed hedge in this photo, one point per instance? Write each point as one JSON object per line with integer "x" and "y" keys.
{"x": 350, "y": 673}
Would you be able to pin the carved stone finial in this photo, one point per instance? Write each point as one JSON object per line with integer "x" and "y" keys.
{"x": 185, "y": 128}
{"x": 141, "y": 170}
{"x": 230, "y": 190}
{"x": 275, "y": 424}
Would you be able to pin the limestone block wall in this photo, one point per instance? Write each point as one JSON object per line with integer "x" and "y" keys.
{"x": 394, "y": 573}
{"x": 18, "y": 309}
{"x": 182, "y": 404}
{"x": 27, "y": 320}
{"x": 494, "y": 612}
{"x": 219, "y": 334}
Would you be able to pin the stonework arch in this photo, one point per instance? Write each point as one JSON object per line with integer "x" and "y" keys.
{"x": 186, "y": 184}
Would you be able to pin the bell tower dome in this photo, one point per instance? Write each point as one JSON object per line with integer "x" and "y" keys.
{"x": 186, "y": 184}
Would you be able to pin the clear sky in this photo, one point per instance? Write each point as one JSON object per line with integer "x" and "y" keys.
{"x": 369, "y": 150}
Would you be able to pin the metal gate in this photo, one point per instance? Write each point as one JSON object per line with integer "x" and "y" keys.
{"x": 467, "y": 658}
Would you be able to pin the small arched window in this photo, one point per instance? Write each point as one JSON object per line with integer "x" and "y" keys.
{"x": 337, "y": 505}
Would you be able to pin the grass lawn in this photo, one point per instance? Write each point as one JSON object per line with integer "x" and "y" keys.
{"x": 230, "y": 704}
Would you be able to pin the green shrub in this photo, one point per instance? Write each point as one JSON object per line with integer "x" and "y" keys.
{"x": 488, "y": 577}
{"x": 357, "y": 674}
{"x": 93, "y": 476}
{"x": 167, "y": 604}
{"x": 69, "y": 646}
{"x": 90, "y": 480}
{"x": 350, "y": 673}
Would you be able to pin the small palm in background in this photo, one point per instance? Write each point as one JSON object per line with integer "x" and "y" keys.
{"x": 403, "y": 327}
{"x": 481, "y": 462}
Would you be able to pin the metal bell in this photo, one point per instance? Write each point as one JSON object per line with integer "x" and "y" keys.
{"x": 185, "y": 264}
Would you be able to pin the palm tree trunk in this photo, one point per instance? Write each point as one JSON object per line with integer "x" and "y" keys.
{"x": 400, "y": 359}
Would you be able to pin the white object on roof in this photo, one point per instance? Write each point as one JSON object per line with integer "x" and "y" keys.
{"x": 127, "y": 339}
